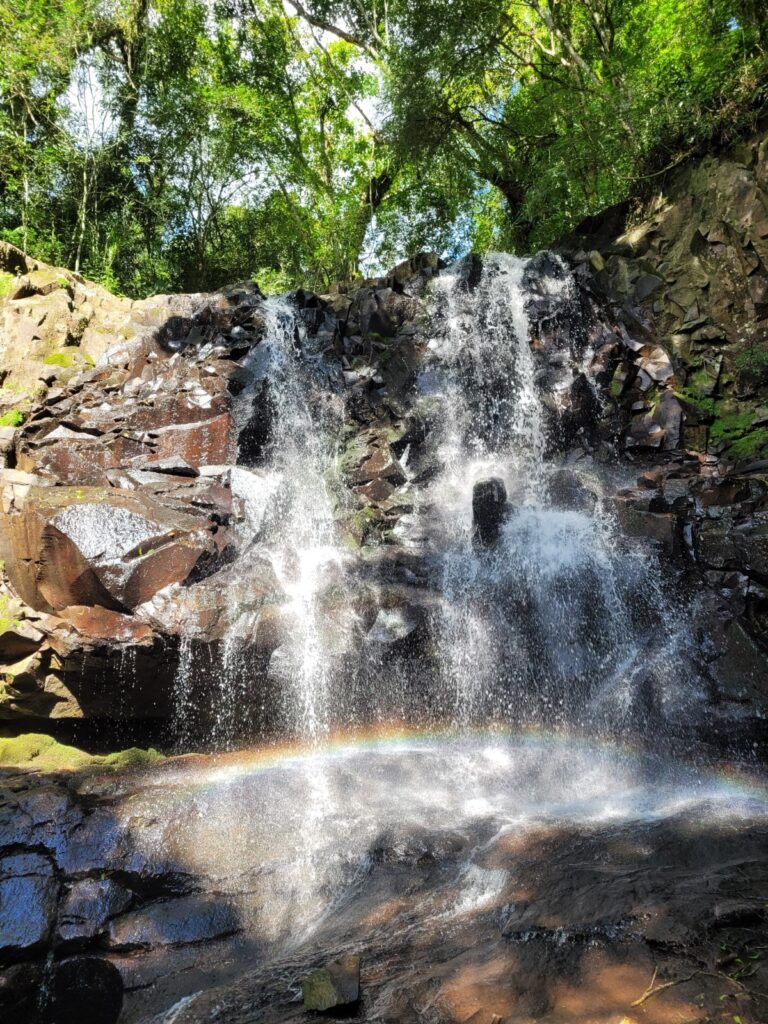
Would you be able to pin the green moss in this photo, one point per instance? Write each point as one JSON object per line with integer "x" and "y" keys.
{"x": 696, "y": 400}
{"x": 68, "y": 359}
{"x": 36, "y": 750}
{"x": 13, "y": 418}
{"x": 353, "y": 454}
{"x": 752, "y": 444}
{"x": 731, "y": 427}
{"x": 133, "y": 757}
{"x": 8, "y": 619}
{"x": 754, "y": 360}
{"x": 6, "y": 283}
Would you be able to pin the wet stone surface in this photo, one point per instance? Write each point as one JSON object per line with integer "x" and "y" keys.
{"x": 485, "y": 879}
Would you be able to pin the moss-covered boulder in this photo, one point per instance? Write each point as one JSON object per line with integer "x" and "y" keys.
{"x": 44, "y": 753}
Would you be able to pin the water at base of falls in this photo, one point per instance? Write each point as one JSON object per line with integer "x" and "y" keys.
{"x": 427, "y": 850}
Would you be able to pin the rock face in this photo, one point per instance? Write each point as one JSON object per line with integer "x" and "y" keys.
{"x": 28, "y": 896}
{"x": 120, "y": 519}
{"x": 687, "y": 275}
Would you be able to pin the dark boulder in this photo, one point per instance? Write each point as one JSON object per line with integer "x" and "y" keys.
{"x": 566, "y": 491}
{"x": 174, "y": 922}
{"x": 489, "y": 509}
{"x": 85, "y": 989}
{"x": 88, "y": 906}
{"x": 28, "y": 894}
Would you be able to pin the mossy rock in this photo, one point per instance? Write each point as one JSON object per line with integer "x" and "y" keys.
{"x": 68, "y": 359}
{"x": 753, "y": 444}
{"x": 12, "y": 418}
{"x": 729, "y": 425}
{"x": 354, "y": 452}
{"x": 6, "y": 283}
{"x": 10, "y": 611}
{"x": 44, "y": 753}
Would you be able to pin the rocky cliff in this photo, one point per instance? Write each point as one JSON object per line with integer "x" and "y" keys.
{"x": 120, "y": 524}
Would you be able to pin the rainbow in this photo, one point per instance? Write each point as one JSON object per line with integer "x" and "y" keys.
{"x": 722, "y": 777}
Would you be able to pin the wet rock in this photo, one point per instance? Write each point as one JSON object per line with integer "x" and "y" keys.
{"x": 88, "y": 906}
{"x": 92, "y": 546}
{"x": 20, "y": 988}
{"x": 85, "y": 989}
{"x": 174, "y": 922}
{"x": 40, "y": 816}
{"x": 661, "y": 528}
{"x": 336, "y": 984}
{"x": 395, "y": 626}
{"x": 737, "y": 913}
{"x": 489, "y": 509}
{"x": 566, "y": 491}
{"x": 28, "y": 895}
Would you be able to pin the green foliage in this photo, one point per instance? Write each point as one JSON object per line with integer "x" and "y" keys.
{"x": 12, "y": 418}
{"x": 751, "y": 444}
{"x": 156, "y": 145}
{"x": 696, "y": 400}
{"x": 728, "y": 428}
{"x": 752, "y": 363}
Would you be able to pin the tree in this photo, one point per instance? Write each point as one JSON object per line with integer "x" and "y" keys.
{"x": 176, "y": 144}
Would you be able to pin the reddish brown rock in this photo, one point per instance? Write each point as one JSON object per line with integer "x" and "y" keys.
{"x": 98, "y": 546}
{"x": 205, "y": 443}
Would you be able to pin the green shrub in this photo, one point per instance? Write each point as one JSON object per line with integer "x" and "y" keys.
{"x": 13, "y": 418}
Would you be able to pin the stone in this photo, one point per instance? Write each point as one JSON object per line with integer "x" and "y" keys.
{"x": 566, "y": 491}
{"x": 661, "y": 528}
{"x": 393, "y": 626}
{"x": 205, "y": 443}
{"x": 86, "y": 990}
{"x": 489, "y": 509}
{"x": 92, "y": 546}
{"x": 174, "y": 922}
{"x": 646, "y": 285}
{"x": 735, "y": 913}
{"x": 336, "y": 984}
{"x": 174, "y": 466}
{"x": 20, "y": 987}
{"x": 28, "y": 895}
{"x": 656, "y": 363}
{"x": 88, "y": 906}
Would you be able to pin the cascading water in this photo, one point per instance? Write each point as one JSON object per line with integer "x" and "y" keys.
{"x": 560, "y": 622}
{"x": 546, "y": 625}
{"x": 286, "y": 518}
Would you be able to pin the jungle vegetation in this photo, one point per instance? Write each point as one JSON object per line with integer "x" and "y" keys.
{"x": 162, "y": 145}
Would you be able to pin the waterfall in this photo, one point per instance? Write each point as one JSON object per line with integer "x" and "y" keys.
{"x": 288, "y": 510}
{"x": 558, "y": 622}
{"x": 542, "y": 626}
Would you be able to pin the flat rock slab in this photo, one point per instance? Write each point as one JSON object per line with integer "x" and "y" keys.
{"x": 174, "y": 922}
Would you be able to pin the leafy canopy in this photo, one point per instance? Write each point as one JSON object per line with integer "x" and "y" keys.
{"x": 178, "y": 144}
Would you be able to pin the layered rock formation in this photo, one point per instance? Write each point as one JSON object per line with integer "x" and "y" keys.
{"x": 687, "y": 276}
